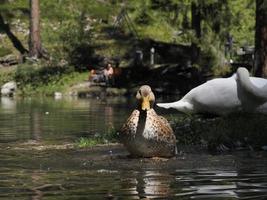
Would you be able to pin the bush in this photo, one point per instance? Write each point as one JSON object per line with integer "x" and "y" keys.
{"x": 6, "y": 76}
{"x": 36, "y": 75}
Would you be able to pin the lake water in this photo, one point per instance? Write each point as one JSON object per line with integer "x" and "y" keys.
{"x": 37, "y": 163}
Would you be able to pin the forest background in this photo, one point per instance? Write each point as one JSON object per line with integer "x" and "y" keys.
{"x": 76, "y": 36}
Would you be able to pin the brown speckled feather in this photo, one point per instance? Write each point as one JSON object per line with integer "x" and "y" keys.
{"x": 146, "y": 134}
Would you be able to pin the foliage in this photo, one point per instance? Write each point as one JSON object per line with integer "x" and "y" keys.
{"x": 9, "y": 8}
{"x": 4, "y": 51}
{"x": 28, "y": 73}
{"x": 212, "y": 52}
{"x": 36, "y": 80}
{"x": 76, "y": 31}
{"x": 242, "y": 30}
{"x": 170, "y": 21}
{"x": 76, "y": 40}
{"x": 6, "y": 75}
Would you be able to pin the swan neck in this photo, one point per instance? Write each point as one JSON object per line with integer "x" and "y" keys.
{"x": 247, "y": 85}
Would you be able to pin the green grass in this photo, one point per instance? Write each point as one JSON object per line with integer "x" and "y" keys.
{"x": 31, "y": 82}
{"x": 6, "y": 75}
{"x": 4, "y": 51}
{"x": 87, "y": 142}
{"x": 108, "y": 136}
{"x": 56, "y": 84}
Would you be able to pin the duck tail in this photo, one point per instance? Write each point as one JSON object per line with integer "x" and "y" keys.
{"x": 182, "y": 106}
{"x": 166, "y": 105}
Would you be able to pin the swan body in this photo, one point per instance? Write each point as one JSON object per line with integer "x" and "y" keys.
{"x": 225, "y": 95}
{"x": 146, "y": 134}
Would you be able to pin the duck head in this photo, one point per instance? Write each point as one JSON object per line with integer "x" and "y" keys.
{"x": 145, "y": 97}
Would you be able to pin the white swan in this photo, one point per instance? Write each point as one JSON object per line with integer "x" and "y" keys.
{"x": 225, "y": 95}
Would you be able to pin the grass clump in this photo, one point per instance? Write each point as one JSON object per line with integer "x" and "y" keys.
{"x": 87, "y": 142}
{"x": 6, "y": 75}
{"x": 4, "y": 51}
{"x": 108, "y": 137}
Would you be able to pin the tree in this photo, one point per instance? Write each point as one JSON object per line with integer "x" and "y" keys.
{"x": 35, "y": 46}
{"x": 5, "y": 16}
{"x": 15, "y": 41}
{"x": 260, "y": 62}
{"x": 196, "y": 26}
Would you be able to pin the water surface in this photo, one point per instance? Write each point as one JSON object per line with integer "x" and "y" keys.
{"x": 29, "y": 171}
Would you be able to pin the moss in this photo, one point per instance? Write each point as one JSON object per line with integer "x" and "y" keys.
{"x": 4, "y": 51}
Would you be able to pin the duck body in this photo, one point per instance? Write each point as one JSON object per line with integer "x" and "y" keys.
{"x": 146, "y": 134}
{"x": 221, "y": 96}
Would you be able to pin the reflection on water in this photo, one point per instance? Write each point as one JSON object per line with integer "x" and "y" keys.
{"x": 100, "y": 184}
{"x": 47, "y": 119}
{"x": 95, "y": 173}
{"x": 154, "y": 184}
{"x": 223, "y": 184}
{"x": 8, "y": 105}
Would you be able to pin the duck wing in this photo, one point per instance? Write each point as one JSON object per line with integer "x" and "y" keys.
{"x": 163, "y": 128}
{"x": 130, "y": 126}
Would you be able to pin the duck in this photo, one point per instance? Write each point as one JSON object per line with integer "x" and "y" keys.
{"x": 145, "y": 133}
{"x": 222, "y": 96}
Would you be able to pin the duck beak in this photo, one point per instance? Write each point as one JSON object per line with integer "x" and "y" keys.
{"x": 145, "y": 103}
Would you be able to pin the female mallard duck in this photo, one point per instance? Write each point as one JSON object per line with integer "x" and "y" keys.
{"x": 146, "y": 134}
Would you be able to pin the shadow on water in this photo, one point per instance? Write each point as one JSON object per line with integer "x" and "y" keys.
{"x": 37, "y": 162}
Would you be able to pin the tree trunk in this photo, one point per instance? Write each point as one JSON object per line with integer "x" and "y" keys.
{"x": 260, "y": 62}
{"x": 196, "y": 19}
{"x": 196, "y": 25}
{"x": 35, "y": 46}
{"x": 15, "y": 41}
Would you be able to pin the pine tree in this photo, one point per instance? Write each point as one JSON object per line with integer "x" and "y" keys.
{"x": 35, "y": 45}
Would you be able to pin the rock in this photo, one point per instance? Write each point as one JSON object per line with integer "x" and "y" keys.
{"x": 58, "y": 95}
{"x": 8, "y": 60}
{"x": 9, "y": 88}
